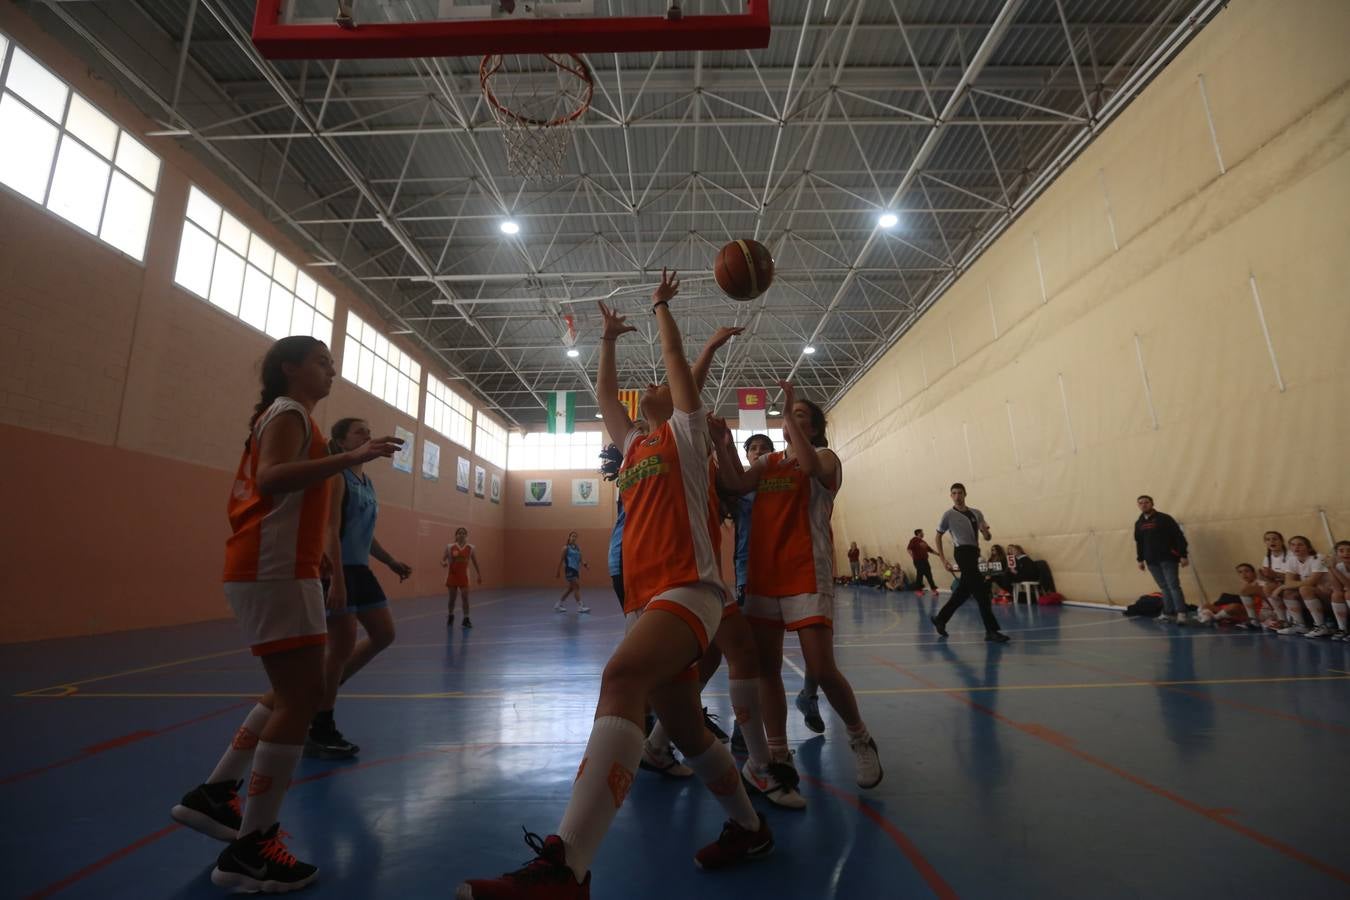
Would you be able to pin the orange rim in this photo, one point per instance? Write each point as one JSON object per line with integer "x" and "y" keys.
{"x": 491, "y": 65}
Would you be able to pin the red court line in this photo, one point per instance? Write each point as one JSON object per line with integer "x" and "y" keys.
{"x": 1217, "y": 816}
{"x": 1201, "y": 695}
{"x": 936, "y": 883}
{"x": 58, "y": 886}
{"x": 113, "y": 743}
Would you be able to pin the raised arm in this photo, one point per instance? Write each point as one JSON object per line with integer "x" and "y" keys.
{"x": 730, "y": 475}
{"x": 615, "y": 414}
{"x": 820, "y": 464}
{"x": 683, "y": 390}
{"x": 705, "y": 358}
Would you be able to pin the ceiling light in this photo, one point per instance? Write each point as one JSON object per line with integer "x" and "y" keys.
{"x": 573, "y": 352}
{"x": 599, "y": 415}
{"x": 888, "y": 220}
{"x": 773, "y": 412}
{"x": 808, "y": 349}
{"x": 510, "y": 226}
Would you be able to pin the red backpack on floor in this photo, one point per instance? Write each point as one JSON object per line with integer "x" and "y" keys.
{"x": 1053, "y": 598}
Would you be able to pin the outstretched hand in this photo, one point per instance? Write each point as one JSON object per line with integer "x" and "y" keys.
{"x": 667, "y": 289}
{"x": 615, "y": 324}
{"x": 789, "y": 396}
{"x": 722, "y": 335}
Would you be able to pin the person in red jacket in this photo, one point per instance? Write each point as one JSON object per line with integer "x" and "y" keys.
{"x": 918, "y": 551}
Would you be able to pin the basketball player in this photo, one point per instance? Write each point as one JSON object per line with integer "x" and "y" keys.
{"x": 366, "y": 603}
{"x": 790, "y": 583}
{"x": 282, "y": 519}
{"x": 456, "y": 559}
{"x": 674, "y": 600}
{"x": 571, "y": 562}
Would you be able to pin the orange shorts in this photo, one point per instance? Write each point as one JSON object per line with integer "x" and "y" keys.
{"x": 457, "y": 581}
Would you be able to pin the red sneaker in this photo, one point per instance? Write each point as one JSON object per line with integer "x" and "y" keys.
{"x": 546, "y": 877}
{"x": 736, "y": 845}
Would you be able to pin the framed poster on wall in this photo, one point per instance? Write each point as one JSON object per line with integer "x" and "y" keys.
{"x": 431, "y": 461}
{"x": 496, "y": 495}
{"x": 462, "y": 474}
{"x": 585, "y": 491}
{"x": 479, "y": 480}
{"x": 403, "y": 459}
{"x": 539, "y": 492}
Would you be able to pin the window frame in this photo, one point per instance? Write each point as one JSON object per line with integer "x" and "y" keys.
{"x": 429, "y": 395}
{"x": 378, "y": 351}
{"x": 582, "y": 450}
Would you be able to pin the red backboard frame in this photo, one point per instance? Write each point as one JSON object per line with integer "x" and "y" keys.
{"x": 626, "y": 34}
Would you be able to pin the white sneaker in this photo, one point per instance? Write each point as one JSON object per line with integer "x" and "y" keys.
{"x": 583, "y": 609}
{"x": 1182, "y": 620}
{"x": 1291, "y": 628}
{"x": 869, "y": 761}
{"x": 663, "y": 760}
{"x": 1319, "y": 631}
{"x": 1204, "y": 617}
{"x": 558, "y": 607}
{"x": 777, "y": 782}
{"x": 1163, "y": 617}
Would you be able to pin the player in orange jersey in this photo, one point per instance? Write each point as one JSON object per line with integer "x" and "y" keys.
{"x": 674, "y": 597}
{"x": 791, "y": 577}
{"x": 456, "y": 559}
{"x": 282, "y": 522}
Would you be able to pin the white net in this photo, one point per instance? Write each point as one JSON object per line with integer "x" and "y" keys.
{"x": 536, "y": 99}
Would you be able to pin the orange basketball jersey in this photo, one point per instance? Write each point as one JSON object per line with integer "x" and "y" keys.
{"x": 276, "y": 537}
{"x": 459, "y": 565}
{"x": 670, "y": 533}
{"x": 791, "y": 542}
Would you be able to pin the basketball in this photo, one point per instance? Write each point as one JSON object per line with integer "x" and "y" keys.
{"x": 744, "y": 269}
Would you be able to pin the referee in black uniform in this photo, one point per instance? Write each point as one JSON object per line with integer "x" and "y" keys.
{"x": 966, "y": 524}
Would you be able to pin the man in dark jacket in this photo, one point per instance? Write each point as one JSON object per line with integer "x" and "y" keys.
{"x": 1160, "y": 547}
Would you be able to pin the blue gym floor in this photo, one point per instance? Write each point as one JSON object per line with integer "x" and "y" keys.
{"x": 1094, "y": 756}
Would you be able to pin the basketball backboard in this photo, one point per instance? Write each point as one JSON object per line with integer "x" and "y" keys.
{"x": 363, "y": 29}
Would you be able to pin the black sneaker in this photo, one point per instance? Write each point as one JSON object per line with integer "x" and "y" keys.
{"x": 809, "y": 707}
{"x": 467, "y": 623}
{"x": 325, "y": 743}
{"x": 710, "y": 722}
{"x": 941, "y": 629}
{"x": 212, "y": 809}
{"x": 996, "y": 637}
{"x": 260, "y": 863}
{"x": 738, "y": 739}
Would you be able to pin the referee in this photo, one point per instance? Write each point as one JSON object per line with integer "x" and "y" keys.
{"x": 966, "y": 524}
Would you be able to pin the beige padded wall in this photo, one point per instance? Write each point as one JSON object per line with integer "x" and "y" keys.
{"x": 1142, "y": 365}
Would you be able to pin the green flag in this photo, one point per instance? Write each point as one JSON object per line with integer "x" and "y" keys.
{"x": 562, "y": 412}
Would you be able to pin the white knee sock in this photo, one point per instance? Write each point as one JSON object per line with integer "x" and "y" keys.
{"x": 716, "y": 769}
{"x": 273, "y": 767}
{"x": 1295, "y": 610}
{"x": 1339, "y": 610}
{"x": 1315, "y": 610}
{"x": 745, "y": 709}
{"x": 1250, "y": 606}
{"x": 234, "y": 765}
{"x": 603, "y": 780}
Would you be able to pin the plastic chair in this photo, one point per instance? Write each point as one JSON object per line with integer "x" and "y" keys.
{"x": 1032, "y": 590}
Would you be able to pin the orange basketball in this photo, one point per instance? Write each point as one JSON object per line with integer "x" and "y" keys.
{"x": 744, "y": 269}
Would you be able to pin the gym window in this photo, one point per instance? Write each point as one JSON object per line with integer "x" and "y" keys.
{"x": 541, "y": 451}
{"x": 61, "y": 152}
{"x": 448, "y": 413}
{"x": 373, "y": 364}
{"x": 232, "y": 268}
{"x": 491, "y": 441}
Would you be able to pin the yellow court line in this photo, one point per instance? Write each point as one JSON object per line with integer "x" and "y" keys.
{"x": 68, "y": 687}
{"x": 988, "y": 689}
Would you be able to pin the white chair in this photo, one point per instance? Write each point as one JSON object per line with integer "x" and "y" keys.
{"x": 1032, "y": 589}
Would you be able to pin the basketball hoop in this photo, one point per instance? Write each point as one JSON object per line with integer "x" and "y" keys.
{"x": 536, "y": 99}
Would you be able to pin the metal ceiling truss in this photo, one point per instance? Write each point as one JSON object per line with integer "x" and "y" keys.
{"x": 394, "y": 174}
